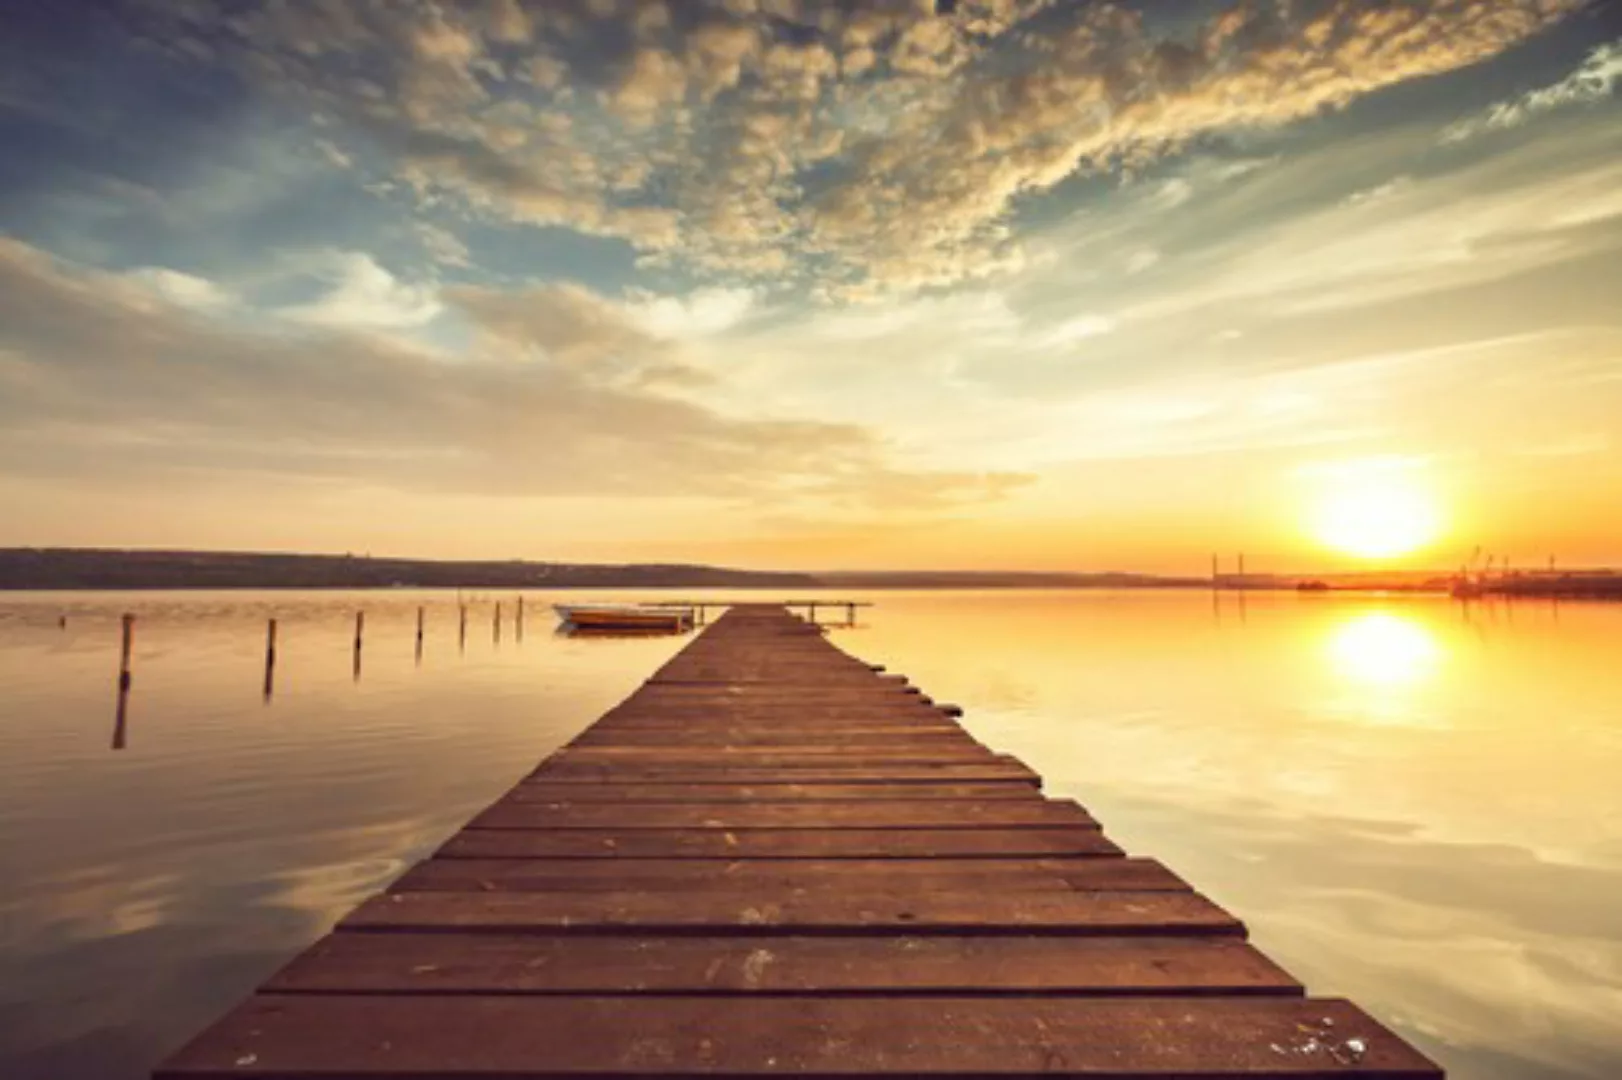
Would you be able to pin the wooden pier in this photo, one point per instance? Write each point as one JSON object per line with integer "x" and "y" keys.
{"x": 774, "y": 860}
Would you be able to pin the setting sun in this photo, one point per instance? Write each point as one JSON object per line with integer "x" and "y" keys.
{"x": 1375, "y": 511}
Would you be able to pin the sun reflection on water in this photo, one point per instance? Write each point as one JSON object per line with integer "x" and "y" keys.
{"x": 1379, "y": 648}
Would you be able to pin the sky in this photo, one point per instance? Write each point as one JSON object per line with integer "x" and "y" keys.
{"x": 1006, "y": 284}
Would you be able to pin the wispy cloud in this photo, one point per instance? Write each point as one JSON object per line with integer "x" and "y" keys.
{"x": 93, "y": 365}
{"x": 364, "y": 296}
{"x": 1595, "y": 80}
{"x": 186, "y": 290}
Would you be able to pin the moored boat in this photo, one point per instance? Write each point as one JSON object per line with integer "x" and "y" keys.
{"x": 624, "y": 617}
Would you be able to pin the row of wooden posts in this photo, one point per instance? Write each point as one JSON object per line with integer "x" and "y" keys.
{"x": 127, "y": 641}
{"x": 127, "y": 646}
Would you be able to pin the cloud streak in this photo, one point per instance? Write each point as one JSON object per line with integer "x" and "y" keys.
{"x": 101, "y": 376}
{"x": 1594, "y": 81}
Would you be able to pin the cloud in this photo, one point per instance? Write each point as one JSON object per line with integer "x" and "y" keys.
{"x": 851, "y": 149}
{"x": 364, "y": 296}
{"x": 574, "y": 329}
{"x": 699, "y": 314}
{"x": 1595, "y": 80}
{"x": 442, "y": 245}
{"x": 1076, "y": 329}
{"x": 185, "y": 290}
{"x": 99, "y": 378}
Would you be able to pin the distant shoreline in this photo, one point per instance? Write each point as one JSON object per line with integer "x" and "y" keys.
{"x": 85, "y": 569}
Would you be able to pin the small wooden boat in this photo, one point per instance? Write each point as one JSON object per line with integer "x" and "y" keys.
{"x": 624, "y": 617}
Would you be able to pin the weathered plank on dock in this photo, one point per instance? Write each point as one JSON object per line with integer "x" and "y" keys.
{"x": 776, "y": 843}
{"x": 825, "y": 772}
{"x": 455, "y": 1036}
{"x": 521, "y": 811}
{"x": 765, "y": 877}
{"x": 549, "y": 790}
{"x": 533, "y": 964}
{"x": 771, "y": 860}
{"x": 848, "y": 910}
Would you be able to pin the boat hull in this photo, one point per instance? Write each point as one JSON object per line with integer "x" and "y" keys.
{"x": 602, "y": 618}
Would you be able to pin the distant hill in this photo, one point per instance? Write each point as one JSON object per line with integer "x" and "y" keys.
{"x": 93, "y": 568}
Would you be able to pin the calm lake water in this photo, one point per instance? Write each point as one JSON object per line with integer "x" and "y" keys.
{"x": 1413, "y": 803}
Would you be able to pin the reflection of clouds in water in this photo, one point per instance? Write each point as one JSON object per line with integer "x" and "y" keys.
{"x": 332, "y": 889}
{"x": 1507, "y": 966}
{"x": 112, "y": 899}
{"x": 1464, "y": 979}
{"x": 95, "y": 903}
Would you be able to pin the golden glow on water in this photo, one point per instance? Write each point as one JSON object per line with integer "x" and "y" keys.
{"x": 1410, "y": 801}
{"x": 1383, "y": 649}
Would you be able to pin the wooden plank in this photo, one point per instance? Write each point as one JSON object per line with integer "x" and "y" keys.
{"x": 776, "y": 844}
{"x": 413, "y": 963}
{"x": 849, "y": 741}
{"x": 707, "y": 794}
{"x": 829, "y": 707}
{"x": 788, "y": 756}
{"x": 454, "y": 1037}
{"x": 833, "y": 772}
{"x": 852, "y": 910}
{"x": 518, "y": 811}
{"x": 767, "y": 875}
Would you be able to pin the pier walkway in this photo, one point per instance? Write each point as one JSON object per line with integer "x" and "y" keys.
{"x": 773, "y": 859}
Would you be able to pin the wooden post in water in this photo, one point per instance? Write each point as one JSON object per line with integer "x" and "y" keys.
{"x": 270, "y": 659}
{"x": 124, "y": 650}
{"x": 419, "y": 635}
{"x": 518, "y": 621}
{"x": 360, "y": 628}
{"x": 461, "y": 628}
{"x": 121, "y": 719}
{"x": 495, "y": 624}
{"x": 850, "y": 614}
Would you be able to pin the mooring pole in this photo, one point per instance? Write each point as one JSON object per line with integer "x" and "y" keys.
{"x": 518, "y": 620}
{"x": 124, "y": 650}
{"x": 360, "y": 628}
{"x": 270, "y": 658}
{"x": 461, "y": 629}
{"x": 121, "y": 719}
{"x": 122, "y": 711}
{"x": 495, "y": 624}
{"x": 419, "y": 634}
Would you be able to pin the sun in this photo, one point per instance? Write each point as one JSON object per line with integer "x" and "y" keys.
{"x": 1376, "y": 514}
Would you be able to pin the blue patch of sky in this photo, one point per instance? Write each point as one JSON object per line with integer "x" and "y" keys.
{"x": 510, "y": 254}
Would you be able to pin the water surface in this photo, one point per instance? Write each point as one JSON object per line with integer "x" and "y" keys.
{"x": 1411, "y": 802}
